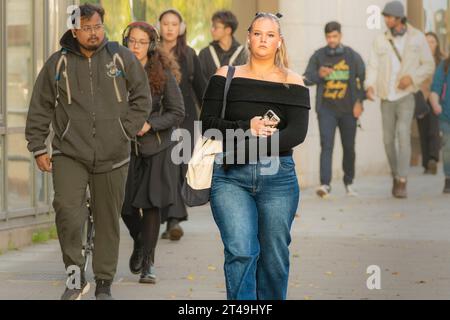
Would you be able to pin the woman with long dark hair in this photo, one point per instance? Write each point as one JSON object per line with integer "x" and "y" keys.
{"x": 254, "y": 202}
{"x": 151, "y": 184}
{"x": 430, "y": 139}
{"x": 440, "y": 101}
{"x": 173, "y": 32}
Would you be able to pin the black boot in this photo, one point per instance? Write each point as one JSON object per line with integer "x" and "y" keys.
{"x": 175, "y": 230}
{"x": 103, "y": 290}
{"x": 165, "y": 235}
{"x": 148, "y": 275}
{"x": 137, "y": 257}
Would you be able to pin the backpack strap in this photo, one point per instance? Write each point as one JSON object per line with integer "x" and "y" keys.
{"x": 62, "y": 60}
{"x": 113, "y": 49}
{"x": 230, "y": 75}
{"x": 236, "y": 55}
{"x": 214, "y": 56}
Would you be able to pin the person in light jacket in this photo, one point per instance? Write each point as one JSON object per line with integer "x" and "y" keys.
{"x": 400, "y": 61}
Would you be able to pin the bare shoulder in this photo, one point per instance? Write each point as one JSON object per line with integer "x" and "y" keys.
{"x": 295, "y": 78}
{"x": 222, "y": 71}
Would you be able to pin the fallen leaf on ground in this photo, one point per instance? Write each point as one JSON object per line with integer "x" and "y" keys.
{"x": 191, "y": 277}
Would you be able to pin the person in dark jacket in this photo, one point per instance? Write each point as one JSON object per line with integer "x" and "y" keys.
{"x": 225, "y": 49}
{"x": 339, "y": 73}
{"x": 430, "y": 135}
{"x": 152, "y": 178}
{"x": 173, "y": 41}
{"x": 95, "y": 96}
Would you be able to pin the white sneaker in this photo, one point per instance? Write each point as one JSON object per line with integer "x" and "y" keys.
{"x": 323, "y": 191}
{"x": 351, "y": 191}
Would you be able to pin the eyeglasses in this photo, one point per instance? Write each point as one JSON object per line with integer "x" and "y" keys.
{"x": 140, "y": 43}
{"x": 90, "y": 29}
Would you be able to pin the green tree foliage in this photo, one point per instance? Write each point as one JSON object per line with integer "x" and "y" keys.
{"x": 197, "y": 14}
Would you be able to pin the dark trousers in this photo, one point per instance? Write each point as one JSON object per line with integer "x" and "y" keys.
{"x": 70, "y": 181}
{"x": 144, "y": 229}
{"x": 329, "y": 120}
{"x": 430, "y": 139}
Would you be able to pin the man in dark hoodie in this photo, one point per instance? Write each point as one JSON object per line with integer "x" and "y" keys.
{"x": 96, "y": 97}
{"x": 339, "y": 73}
{"x": 224, "y": 50}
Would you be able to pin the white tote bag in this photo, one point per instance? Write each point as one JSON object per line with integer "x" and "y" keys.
{"x": 197, "y": 186}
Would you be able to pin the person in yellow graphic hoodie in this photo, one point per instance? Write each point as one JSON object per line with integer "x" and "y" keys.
{"x": 339, "y": 73}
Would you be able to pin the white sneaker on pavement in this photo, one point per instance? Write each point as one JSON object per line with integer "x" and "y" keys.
{"x": 351, "y": 191}
{"x": 323, "y": 191}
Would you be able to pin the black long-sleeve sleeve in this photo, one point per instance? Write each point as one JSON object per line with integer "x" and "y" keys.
{"x": 211, "y": 118}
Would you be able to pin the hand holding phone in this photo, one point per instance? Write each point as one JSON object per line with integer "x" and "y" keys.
{"x": 326, "y": 70}
{"x": 260, "y": 125}
{"x": 272, "y": 116}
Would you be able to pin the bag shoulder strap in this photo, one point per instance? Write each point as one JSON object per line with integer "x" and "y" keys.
{"x": 397, "y": 53}
{"x": 230, "y": 75}
{"x": 62, "y": 59}
{"x": 113, "y": 49}
{"x": 236, "y": 55}
{"x": 214, "y": 56}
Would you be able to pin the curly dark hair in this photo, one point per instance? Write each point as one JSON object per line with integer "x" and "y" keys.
{"x": 158, "y": 63}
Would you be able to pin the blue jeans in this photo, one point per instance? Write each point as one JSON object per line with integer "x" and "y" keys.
{"x": 254, "y": 212}
{"x": 445, "y": 127}
{"x": 329, "y": 121}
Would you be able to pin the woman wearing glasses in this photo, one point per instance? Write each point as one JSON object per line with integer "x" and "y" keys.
{"x": 152, "y": 175}
{"x": 173, "y": 31}
{"x": 254, "y": 203}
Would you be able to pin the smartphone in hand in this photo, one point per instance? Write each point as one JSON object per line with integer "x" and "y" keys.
{"x": 272, "y": 116}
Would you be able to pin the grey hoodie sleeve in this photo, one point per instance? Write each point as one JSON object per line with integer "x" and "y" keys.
{"x": 139, "y": 99}
{"x": 41, "y": 109}
{"x": 173, "y": 107}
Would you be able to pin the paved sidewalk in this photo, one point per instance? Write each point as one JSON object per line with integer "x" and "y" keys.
{"x": 334, "y": 241}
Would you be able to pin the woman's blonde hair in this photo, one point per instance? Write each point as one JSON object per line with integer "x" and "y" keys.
{"x": 281, "y": 57}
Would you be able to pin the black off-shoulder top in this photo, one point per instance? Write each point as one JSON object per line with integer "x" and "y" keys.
{"x": 249, "y": 98}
